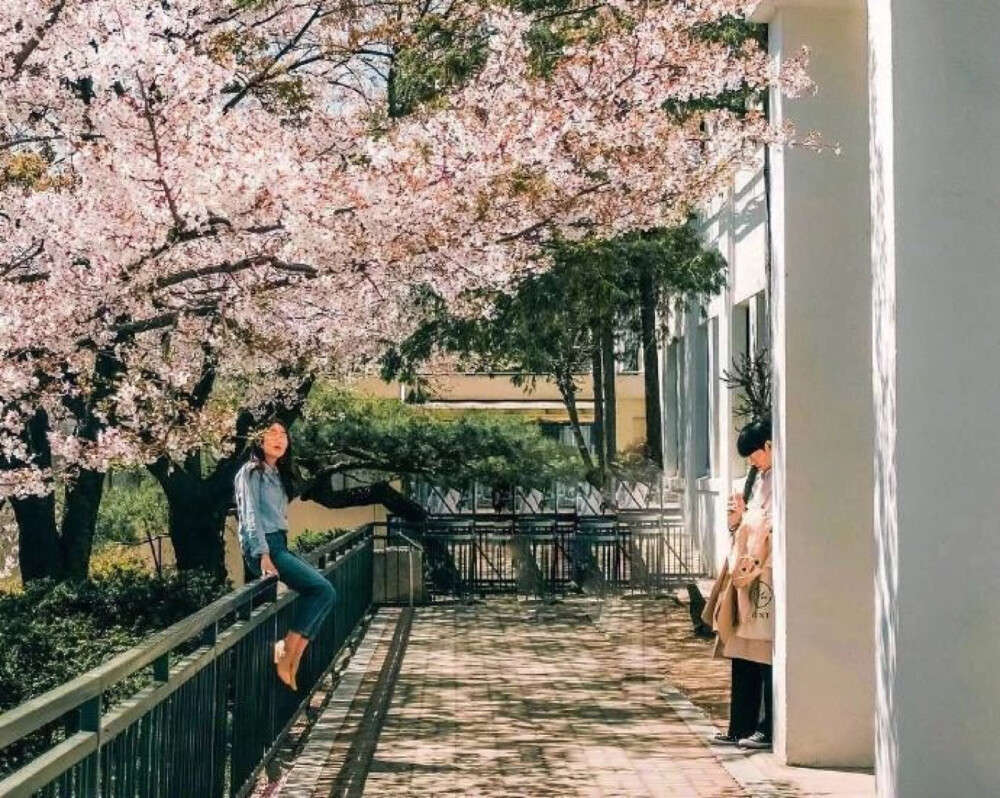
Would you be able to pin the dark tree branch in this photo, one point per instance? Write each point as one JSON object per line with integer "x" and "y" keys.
{"x": 322, "y": 492}
{"x": 265, "y": 73}
{"x": 233, "y": 268}
{"x": 158, "y": 153}
{"x": 21, "y": 57}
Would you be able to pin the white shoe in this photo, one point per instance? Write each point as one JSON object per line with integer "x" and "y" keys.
{"x": 758, "y": 741}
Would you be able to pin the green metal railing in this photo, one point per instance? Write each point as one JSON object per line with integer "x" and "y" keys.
{"x": 208, "y": 711}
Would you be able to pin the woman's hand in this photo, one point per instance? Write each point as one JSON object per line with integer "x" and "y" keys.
{"x": 267, "y": 566}
{"x": 737, "y": 506}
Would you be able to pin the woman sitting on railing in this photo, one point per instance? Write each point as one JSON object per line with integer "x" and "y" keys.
{"x": 264, "y": 486}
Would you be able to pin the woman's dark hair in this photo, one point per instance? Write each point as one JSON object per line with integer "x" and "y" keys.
{"x": 753, "y": 436}
{"x": 286, "y": 469}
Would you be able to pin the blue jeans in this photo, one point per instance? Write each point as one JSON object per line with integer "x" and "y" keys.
{"x": 316, "y": 595}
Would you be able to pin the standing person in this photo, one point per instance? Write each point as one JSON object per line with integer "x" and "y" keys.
{"x": 741, "y": 606}
{"x": 264, "y": 486}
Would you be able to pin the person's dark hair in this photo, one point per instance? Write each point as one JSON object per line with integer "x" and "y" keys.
{"x": 286, "y": 469}
{"x": 753, "y": 436}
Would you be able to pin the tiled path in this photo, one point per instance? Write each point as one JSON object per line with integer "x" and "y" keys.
{"x": 504, "y": 699}
{"x": 512, "y": 698}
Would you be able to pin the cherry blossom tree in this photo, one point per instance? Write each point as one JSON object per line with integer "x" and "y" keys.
{"x": 207, "y": 204}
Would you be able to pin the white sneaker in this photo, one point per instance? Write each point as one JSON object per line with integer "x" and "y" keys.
{"x": 758, "y": 741}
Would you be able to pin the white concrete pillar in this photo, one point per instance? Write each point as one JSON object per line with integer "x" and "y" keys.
{"x": 935, "y": 68}
{"x": 695, "y": 427}
{"x": 715, "y": 489}
{"x": 821, "y": 325}
{"x": 671, "y": 410}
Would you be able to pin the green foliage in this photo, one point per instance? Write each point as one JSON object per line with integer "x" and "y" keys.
{"x": 287, "y": 97}
{"x": 558, "y": 24}
{"x": 734, "y": 33}
{"x": 310, "y": 540}
{"x": 545, "y": 325}
{"x": 347, "y": 434}
{"x": 52, "y": 633}
{"x": 132, "y": 509}
{"x": 553, "y": 322}
{"x": 441, "y": 53}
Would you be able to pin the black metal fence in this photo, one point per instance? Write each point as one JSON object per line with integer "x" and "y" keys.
{"x": 208, "y": 709}
{"x": 554, "y": 554}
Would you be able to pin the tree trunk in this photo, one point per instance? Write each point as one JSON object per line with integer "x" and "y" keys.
{"x": 568, "y": 391}
{"x": 610, "y": 400}
{"x": 40, "y": 553}
{"x": 651, "y": 367}
{"x": 196, "y": 512}
{"x": 197, "y": 527}
{"x": 597, "y": 375}
{"x": 59, "y": 552}
{"x": 79, "y": 522}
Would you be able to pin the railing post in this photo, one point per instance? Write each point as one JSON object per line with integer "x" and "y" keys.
{"x": 89, "y": 715}
{"x": 161, "y": 668}
{"x": 409, "y": 550}
{"x": 210, "y": 634}
{"x": 245, "y": 610}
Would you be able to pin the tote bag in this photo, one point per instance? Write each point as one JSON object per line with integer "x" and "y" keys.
{"x": 756, "y": 591}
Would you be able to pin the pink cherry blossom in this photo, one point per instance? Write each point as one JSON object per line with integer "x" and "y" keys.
{"x": 162, "y": 217}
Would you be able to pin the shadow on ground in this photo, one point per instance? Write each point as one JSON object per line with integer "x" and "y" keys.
{"x": 514, "y": 698}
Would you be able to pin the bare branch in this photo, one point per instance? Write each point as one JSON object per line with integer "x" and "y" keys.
{"x": 232, "y": 268}
{"x": 151, "y": 122}
{"x": 21, "y": 57}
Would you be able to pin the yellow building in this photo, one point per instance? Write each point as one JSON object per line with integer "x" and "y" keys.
{"x": 459, "y": 392}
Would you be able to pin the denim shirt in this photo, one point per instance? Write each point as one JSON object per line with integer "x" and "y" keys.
{"x": 261, "y": 506}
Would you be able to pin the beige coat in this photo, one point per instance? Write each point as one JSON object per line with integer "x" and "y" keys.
{"x": 745, "y": 575}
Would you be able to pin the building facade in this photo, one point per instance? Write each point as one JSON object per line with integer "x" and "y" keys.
{"x": 871, "y": 273}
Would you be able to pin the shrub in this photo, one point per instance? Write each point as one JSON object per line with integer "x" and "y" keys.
{"x": 133, "y": 509}
{"x": 311, "y": 540}
{"x": 52, "y": 633}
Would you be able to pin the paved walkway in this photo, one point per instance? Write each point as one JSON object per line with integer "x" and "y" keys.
{"x": 505, "y": 699}
{"x": 512, "y": 698}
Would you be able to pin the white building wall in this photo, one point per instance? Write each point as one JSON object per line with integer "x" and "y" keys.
{"x": 823, "y": 511}
{"x": 819, "y": 287}
{"x": 915, "y": 440}
{"x": 936, "y": 206}
{"x": 712, "y": 338}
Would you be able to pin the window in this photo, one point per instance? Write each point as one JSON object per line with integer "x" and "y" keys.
{"x": 671, "y": 409}
{"x": 562, "y": 431}
{"x": 759, "y": 335}
{"x": 700, "y": 388}
{"x": 740, "y": 337}
{"x": 628, "y": 351}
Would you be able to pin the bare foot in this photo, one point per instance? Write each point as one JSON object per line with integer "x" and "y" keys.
{"x": 283, "y": 665}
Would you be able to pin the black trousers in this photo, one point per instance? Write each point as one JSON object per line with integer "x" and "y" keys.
{"x": 751, "y": 684}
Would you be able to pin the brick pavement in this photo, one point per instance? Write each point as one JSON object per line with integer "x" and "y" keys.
{"x": 584, "y": 698}
{"x": 523, "y": 699}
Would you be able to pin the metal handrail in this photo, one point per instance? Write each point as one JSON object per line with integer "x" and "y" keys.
{"x": 408, "y": 539}
{"x": 36, "y": 712}
{"x": 84, "y": 693}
